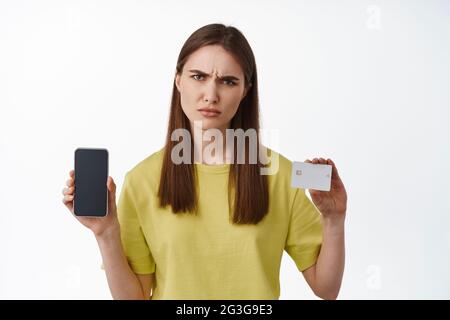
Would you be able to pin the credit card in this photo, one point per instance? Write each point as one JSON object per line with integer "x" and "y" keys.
{"x": 311, "y": 176}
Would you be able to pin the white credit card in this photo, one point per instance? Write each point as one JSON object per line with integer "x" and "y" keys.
{"x": 311, "y": 176}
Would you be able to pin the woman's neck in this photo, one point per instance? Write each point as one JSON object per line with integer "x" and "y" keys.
{"x": 210, "y": 149}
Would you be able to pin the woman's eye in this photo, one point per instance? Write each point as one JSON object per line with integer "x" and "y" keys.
{"x": 197, "y": 75}
{"x": 229, "y": 82}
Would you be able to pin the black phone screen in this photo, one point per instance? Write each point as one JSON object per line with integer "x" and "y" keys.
{"x": 91, "y": 175}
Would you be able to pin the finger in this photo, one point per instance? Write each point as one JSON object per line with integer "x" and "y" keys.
{"x": 69, "y": 204}
{"x": 67, "y": 198}
{"x": 307, "y": 161}
{"x": 111, "y": 185}
{"x": 334, "y": 171}
{"x": 112, "y": 189}
{"x": 68, "y": 191}
{"x": 72, "y": 173}
{"x": 315, "y": 161}
{"x": 330, "y": 162}
{"x": 314, "y": 193}
{"x": 322, "y": 161}
{"x": 69, "y": 182}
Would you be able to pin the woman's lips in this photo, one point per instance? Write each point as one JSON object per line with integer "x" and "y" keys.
{"x": 209, "y": 113}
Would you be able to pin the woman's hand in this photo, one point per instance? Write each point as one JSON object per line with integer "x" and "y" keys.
{"x": 331, "y": 204}
{"x": 97, "y": 225}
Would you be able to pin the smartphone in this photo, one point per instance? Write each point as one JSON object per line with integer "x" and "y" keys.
{"x": 91, "y": 176}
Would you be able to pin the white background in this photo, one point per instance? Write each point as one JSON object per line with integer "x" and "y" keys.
{"x": 365, "y": 83}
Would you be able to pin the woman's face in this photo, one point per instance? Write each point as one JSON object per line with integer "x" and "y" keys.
{"x": 211, "y": 87}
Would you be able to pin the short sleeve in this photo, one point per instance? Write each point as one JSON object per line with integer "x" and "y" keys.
{"x": 304, "y": 237}
{"x": 134, "y": 244}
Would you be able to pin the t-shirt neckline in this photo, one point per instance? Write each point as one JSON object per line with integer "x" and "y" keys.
{"x": 213, "y": 168}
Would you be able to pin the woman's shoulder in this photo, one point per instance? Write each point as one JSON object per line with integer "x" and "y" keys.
{"x": 280, "y": 178}
{"x": 278, "y": 163}
{"x": 151, "y": 165}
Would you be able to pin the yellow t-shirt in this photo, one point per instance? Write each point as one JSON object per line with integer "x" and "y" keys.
{"x": 204, "y": 256}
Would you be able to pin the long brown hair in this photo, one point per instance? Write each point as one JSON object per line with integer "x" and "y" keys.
{"x": 177, "y": 186}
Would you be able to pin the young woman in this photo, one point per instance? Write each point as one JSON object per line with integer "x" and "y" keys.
{"x": 216, "y": 229}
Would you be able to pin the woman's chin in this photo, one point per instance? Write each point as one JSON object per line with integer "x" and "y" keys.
{"x": 209, "y": 123}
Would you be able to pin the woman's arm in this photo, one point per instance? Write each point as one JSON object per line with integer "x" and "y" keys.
{"x": 147, "y": 283}
{"x": 325, "y": 276}
{"x": 123, "y": 282}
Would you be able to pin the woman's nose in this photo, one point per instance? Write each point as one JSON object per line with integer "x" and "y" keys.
{"x": 210, "y": 95}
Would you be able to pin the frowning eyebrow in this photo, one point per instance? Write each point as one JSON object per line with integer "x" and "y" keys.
{"x": 202, "y": 73}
